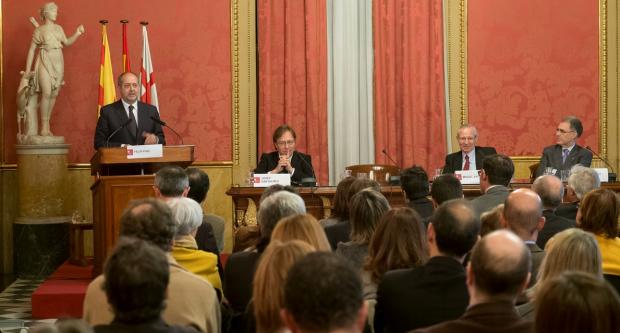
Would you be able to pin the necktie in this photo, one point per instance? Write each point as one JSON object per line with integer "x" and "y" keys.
{"x": 565, "y": 153}
{"x": 133, "y": 127}
{"x": 466, "y": 166}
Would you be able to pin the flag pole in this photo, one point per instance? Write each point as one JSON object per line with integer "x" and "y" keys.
{"x": 126, "y": 62}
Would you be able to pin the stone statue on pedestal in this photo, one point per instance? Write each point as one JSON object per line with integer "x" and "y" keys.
{"x": 44, "y": 80}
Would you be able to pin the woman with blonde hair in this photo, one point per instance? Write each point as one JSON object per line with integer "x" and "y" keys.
{"x": 268, "y": 294}
{"x": 302, "y": 227}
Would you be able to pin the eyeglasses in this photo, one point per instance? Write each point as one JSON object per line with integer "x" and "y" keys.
{"x": 285, "y": 143}
{"x": 562, "y": 131}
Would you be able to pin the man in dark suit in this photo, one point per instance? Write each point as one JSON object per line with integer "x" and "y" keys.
{"x": 414, "y": 182}
{"x": 565, "y": 153}
{"x": 141, "y": 130}
{"x": 551, "y": 190}
{"x": 285, "y": 159}
{"x": 470, "y": 157}
{"x": 581, "y": 181}
{"x": 499, "y": 271}
{"x": 495, "y": 176}
{"x": 418, "y": 297}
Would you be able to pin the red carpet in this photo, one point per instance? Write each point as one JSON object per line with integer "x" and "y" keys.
{"x": 62, "y": 294}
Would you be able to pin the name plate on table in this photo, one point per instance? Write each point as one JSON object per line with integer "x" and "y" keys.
{"x": 468, "y": 177}
{"x": 145, "y": 151}
{"x": 603, "y": 174}
{"x": 268, "y": 179}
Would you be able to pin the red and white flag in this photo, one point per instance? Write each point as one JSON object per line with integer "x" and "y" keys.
{"x": 148, "y": 91}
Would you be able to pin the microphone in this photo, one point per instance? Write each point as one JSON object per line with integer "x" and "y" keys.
{"x": 163, "y": 123}
{"x": 310, "y": 182}
{"x": 107, "y": 141}
{"x": 612, "y": 174}
{"x": 394, "y": 179}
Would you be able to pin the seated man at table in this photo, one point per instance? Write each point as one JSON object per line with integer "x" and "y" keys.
{"x": 470, "y": 156}
{"x": 565, "y": 153}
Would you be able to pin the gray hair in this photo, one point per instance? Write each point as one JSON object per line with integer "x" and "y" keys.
{"x": 171, "y": 181}
{"x": 276, "y": 207}
{"x": 550, "y": 189}
{"x": 583, "y": 180}
{"x": 462, "y": 127}
{"x": 187, "y": 215}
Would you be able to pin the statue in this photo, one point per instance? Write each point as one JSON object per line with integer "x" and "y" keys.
{"x": 44, "y": 80}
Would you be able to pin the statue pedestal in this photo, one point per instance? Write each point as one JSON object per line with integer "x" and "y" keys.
{"x": 41, "y": 232}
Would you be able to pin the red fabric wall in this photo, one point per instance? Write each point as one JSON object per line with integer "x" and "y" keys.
{"x": 530, "y": 64}
{"x": 190, "y": 48}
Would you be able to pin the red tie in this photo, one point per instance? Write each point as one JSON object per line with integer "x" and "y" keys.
{"x": 466, "y": 166}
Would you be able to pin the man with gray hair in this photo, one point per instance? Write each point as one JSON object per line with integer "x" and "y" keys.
{"x": 565, "y": 153}
{"x": 551, "y": 191}
{"x": 581, "y": 181}
{"x": 240, "y": 266}
{"x": 470, "y": 156}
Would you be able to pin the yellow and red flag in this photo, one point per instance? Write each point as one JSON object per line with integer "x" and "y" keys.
{"x": 126, "y": 63}
{"x": 107, "y": 89}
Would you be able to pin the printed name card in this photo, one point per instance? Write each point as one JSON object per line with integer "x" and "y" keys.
{"x": 145, "y": 151}
{"x": 268, "y": 179}
{"x": 603, "y": 174}
{"x": 468, "y": 177}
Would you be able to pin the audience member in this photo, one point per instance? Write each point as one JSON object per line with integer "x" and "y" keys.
{"x": 551, "y": 191}
{"x": 414, "y": 182}
{"x": 198, "y": 188}
{"x": 446, "y": 187}
{"x": 577, "y": 302}
{"x": 340, "y": 210}
{"x": 367, "y": 207}
{"x": 598, "y": 214}
{"x": 303, "y": 227}
{"x": 187, "y": 214}
{"x": 491, "y": 220}
{"x": 498, "y": 272}
{"x": 63, "y": 326}
{"x": 569, "y": 250}
{"x": 136, "y": 281}
{"x": 323, "y": 293}
{"x": 418, "y": 297}
{"x": 523, "y": 216}
{"x": 495, "y": 176}
{"x": 191, "y": 299}
{"x": 268, "y": 295}
{"x": 581, "y": 181}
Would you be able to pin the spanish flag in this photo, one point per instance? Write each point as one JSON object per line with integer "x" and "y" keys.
{"x": 107, "y": 89}
{"x": 126, "y": 63}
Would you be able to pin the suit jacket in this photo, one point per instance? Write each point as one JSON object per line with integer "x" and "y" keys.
{"x": 339, "y": 232}
{"x": 454, "y": 161}
{"x": 238, "y": 277}
{"x": 495, "y": 317}
{"x": 418, "y": 297}
{"x": 153, "y": 326}
{"x": 113, "y": 116}
{"x": 537, "y": 256}
{"x": 568, "y": 210}
{"x": 303, "y": 168}
{"x": 494, "y": 196}
{"x": 553, "y": 225}
{"x": 423, "y": 206}
{"x": 552, "y": 157}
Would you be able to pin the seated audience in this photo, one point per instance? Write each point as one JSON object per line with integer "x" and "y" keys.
{"x": 268, "y": 295}
{"x": 418, "y": 297}
{"x": 551, "y": 191}
{"x": 198, "y": 189}
{"x": 491, "y": 220}
{"x": 136, "y": 282}
{"x": 498, "y": 272}
{"x": 191, "y": 299}
{"x": 577, "y": 302}
{"x": 581, "y": 181}
{"x": 323, "y": 293}
{"x": 63, "y": 326}
{"x": 414, "y": 182}
{"x": 445, "y": 187}
{"x": 340, "y": 210}
{"x": 187, "y": 215}
{"x": 598, "y": 214}
{"x": 495, "y": 176}
{"x": 569, "y": 250}
{"x": 470, "y": 156}
{"x": 367, "y": 207}
{"x": 303, "y": 227}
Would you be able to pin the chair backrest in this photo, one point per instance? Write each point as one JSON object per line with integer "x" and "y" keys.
{"x": 377, "y": 172}
{"x": 533, "y": 169}
{"x": 614, "y": 280}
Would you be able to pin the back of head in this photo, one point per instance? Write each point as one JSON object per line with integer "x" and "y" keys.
{"x": 198, "y": 184}
{"x": 323, "y": 292}
{"x": 303, "y": 227}
{"x": 446, "y": 187}
{"x": 491, "y": 220}
{"x": 550, "y": 189}
{"x": 276, "y": 207}
{"x": 583, "y": 180}
{"x": 171, "y": 181}
{"x": 500, "y": 263}
{"x": 367, "y": 207}
{"x": 456, "y": 227}
{"x": 186, "y": 213}
{"x": 150, "y": 220}
{"x": 270, "y": 275}
{"x": 136, "y": 278}
{"x": 340, "y": 207}
{"x": 414, "y": 181}
{"x": 68, "y": 325}
{"x": 499, "y": 169}
{"x": 522, "y": 211}
{"x": 274, "y": 189}
{"x": 599, "y": 212}
{"x": 360, "y": 184}
{"x": 577, "y": 302}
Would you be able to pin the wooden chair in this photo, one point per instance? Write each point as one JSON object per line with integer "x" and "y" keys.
{"x": 533, "y": 169}
{"x": 377, "y": 172}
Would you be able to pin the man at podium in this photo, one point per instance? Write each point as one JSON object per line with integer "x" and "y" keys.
{"x": 128, "y": 121}
{"x": 285, "y": 159}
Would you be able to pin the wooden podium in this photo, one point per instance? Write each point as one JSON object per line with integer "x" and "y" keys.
{"x": 120, "y": 180}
